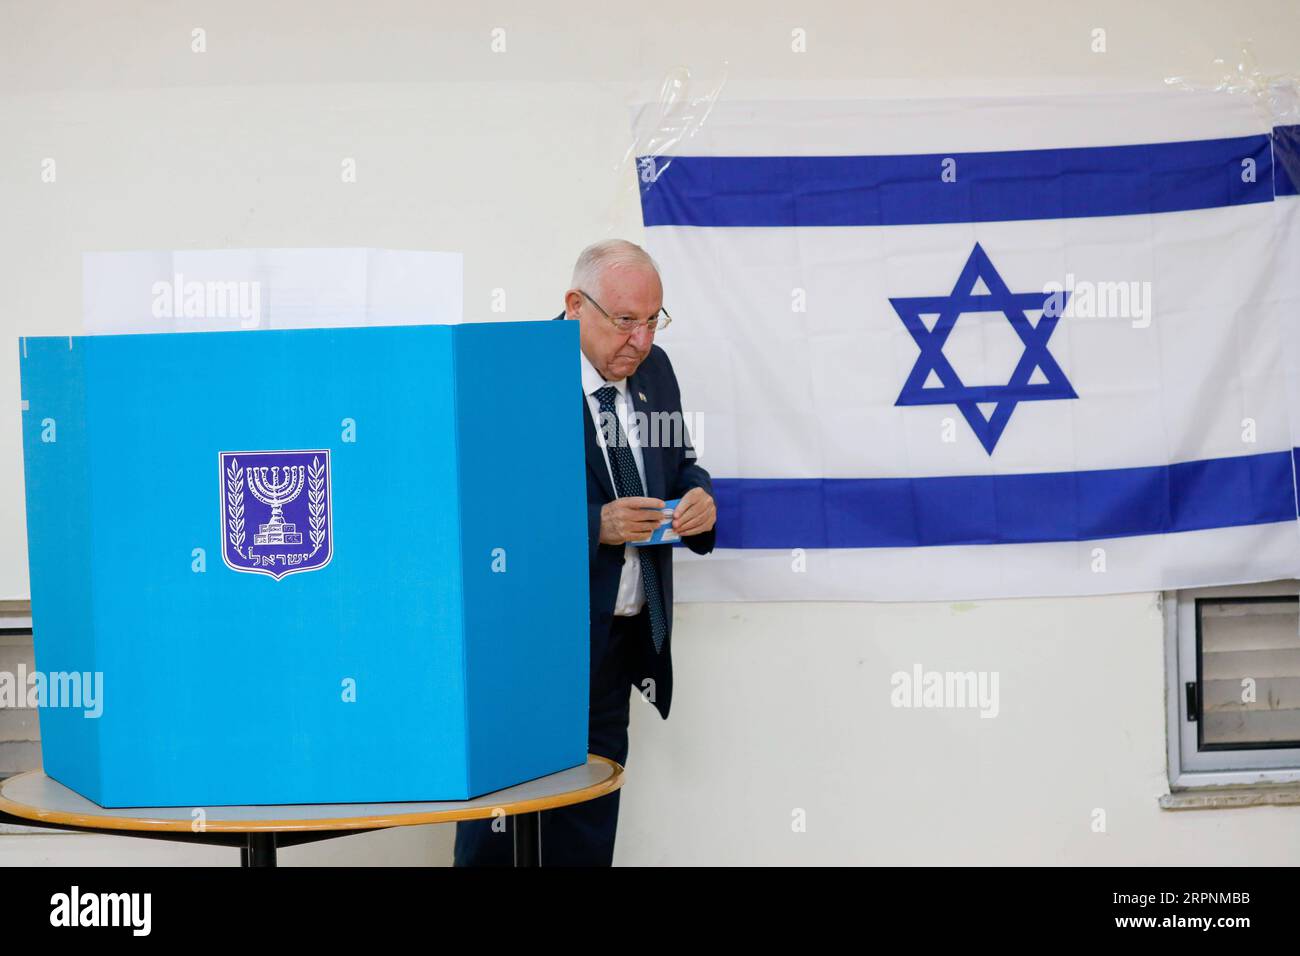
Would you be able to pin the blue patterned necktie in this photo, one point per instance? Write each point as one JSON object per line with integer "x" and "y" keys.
{"x": 627, "y": 483}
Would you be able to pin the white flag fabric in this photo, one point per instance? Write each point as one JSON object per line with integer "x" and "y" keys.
{"x": 953, "y": 349}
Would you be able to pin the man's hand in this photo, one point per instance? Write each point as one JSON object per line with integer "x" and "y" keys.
{"x": 630, "y": 519}
{"x": 695, "y": 513}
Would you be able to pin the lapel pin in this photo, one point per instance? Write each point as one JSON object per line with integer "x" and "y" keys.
{"x": 641, "y": 395}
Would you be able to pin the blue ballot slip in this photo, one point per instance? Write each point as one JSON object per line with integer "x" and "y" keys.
{"x": 664, "y": 534}
{"x": 290, "y": 556}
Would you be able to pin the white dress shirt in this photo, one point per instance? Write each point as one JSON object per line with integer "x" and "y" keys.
{"x": 631, "y": 592}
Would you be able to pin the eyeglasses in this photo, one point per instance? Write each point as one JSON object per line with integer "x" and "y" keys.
{"x": 626, "y": 323}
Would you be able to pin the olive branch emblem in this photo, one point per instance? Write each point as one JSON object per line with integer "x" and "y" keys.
{"x": 235, "y": 506}
{"x": 316, "y": 504}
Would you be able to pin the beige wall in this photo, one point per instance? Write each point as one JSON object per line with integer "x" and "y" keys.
{"x": 517, "y": 160}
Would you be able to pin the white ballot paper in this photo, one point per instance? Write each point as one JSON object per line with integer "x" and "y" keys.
{"x": 215, "y": 290}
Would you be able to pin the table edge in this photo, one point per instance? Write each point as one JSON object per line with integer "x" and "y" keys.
{"x": 377, "y": 822}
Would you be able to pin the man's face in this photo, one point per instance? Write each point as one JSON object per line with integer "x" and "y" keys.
{"x": 622, "y": 290}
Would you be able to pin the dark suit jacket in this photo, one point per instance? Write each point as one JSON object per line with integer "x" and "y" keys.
{"x": 670, "y": 472}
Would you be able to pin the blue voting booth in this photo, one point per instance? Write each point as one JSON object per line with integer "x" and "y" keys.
{"x": 311, "y": 566}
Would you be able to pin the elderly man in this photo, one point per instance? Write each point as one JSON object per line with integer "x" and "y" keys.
{"x": 627, "y": 384}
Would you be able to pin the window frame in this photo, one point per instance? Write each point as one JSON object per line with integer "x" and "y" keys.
{"x": 1216, "y": 765}
{"x": 15, "y": 631}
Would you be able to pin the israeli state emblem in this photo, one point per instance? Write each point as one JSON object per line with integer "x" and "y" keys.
{"x": 276, "y": 511}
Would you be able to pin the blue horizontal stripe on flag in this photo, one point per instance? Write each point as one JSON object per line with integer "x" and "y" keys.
{"x": 1004, "y": 509}
{"x": 1286, "y": 160}
{"x": 896, "y": 190}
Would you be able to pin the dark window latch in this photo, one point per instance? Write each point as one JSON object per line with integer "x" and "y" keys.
{"x": 1192, "y": 707}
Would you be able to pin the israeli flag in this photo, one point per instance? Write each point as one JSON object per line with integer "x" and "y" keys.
{"x": 946, "y": 349}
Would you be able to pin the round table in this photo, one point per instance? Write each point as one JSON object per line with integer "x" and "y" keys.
{"x": 33, "y": 799}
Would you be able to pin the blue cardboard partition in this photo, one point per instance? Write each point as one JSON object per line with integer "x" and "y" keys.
{"x": 308, "y": 566}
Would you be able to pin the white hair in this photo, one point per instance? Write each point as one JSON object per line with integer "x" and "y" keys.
{"x": 599, "y": 256}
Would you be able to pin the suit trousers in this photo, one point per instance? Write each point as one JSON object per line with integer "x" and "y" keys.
{"x": 581, "y": 834}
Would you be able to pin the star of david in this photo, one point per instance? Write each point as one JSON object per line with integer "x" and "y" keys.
{"x": 951, "y": 390}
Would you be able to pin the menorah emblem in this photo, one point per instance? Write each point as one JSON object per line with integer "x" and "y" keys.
{"x": 291, "y": 490}
{"x": 277, "y": 491}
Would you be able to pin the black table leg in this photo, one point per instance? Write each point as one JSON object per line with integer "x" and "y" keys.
{"x": 260, "y": 850}
{"x": 528, "y": 839}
